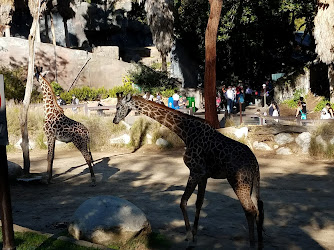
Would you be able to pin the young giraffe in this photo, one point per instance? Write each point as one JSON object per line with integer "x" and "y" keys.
{"x": 209, "y": 154}
{"x": 59, "y": 126}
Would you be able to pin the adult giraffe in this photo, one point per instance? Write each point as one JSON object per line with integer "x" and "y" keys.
{"x": 59, "y": 126}
{"x": 209, "y": 154}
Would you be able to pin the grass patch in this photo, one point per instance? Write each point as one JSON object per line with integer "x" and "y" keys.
{"x": 32, "y": 240}
{"x": 153, "y": 241}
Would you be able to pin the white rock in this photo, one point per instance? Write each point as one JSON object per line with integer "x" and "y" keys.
{"x": 241, "y": 132}
{"x": 32, "y": 144}
{"x": 276, "y": 146}
{"x": 261, "y": 146}
{"x": 149, "y": 139}
{"x": 304, "y": 140}
{"x": 283, "y": 138}
{"x": 124, "y": 139}
{"x": 331, "y": 141}
{"x": 162, "y": 142}
{"x": 108, "y": 219}
{"x": 284, "y": 151}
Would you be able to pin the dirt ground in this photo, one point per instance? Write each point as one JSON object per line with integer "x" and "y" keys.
{"x": 297, "y": 194}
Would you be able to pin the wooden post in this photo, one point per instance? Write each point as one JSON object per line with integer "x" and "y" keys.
{"x": 5, "y": 203}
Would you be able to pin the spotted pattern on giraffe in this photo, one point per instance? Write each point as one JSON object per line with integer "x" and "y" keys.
{"x": 208, "y": 154}
{"x": 57, "y": 126}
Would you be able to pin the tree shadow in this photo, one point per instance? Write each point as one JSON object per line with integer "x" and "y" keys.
{"x": 298, "y": 207}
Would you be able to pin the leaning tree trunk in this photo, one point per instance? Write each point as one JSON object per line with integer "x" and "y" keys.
{"x": 27, "y": 96}
{"x": 210, "y": 62}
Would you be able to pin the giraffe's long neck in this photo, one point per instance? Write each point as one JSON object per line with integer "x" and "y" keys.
{"x": 49, "y": 98}
{"x": 182, "y": 124}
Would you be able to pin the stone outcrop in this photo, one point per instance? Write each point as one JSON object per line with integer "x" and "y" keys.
{"x": 99, "y": 69}
{"x": 108, "y": 219}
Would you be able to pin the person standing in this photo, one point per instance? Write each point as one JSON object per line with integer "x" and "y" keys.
{"x": 301, "y": 109}
{"x": 327, "y": 112}
{"x": 230, "y": 99}
{"x": 176, "y": 98}
{"x": 75, "y": 101}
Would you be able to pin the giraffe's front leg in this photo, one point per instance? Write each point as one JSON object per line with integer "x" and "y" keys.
{"x": 191, "y": 185}
{"x": 51, "y": 151}
{"x": 199, "y": 202}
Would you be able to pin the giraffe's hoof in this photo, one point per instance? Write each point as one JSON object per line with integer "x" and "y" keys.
{"x": 93, "y": 184}
{"x": 189, "y": 236}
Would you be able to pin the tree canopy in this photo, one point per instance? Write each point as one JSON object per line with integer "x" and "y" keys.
{"x": 255, "y": 39}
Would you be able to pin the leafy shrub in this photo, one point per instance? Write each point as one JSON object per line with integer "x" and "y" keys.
{"x": 149, "y": 79}
{"x": 321, "y": 104}
{"x": 293, "y": 102}
{"x": 15, "y": 81}
{"x": 57, "y": 89}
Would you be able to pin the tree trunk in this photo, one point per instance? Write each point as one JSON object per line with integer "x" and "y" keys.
{"x": 7, "y": 31}
{"x": 67, "y": 40}
{"x": 210, "y": 63}
{"x": 54, "y": 45}
{"x": 27, "y": 97}
{"x": 331, "y": 81}
{"x": 38, "y": 32}
{"x": 2, "y": 30}
{"x": 163, "y": 62}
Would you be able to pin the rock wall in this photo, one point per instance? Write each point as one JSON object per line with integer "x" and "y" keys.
{"x": 285, "y": 88}
{"x": 101, "y": 68}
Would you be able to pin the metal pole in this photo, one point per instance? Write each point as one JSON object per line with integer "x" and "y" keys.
{"x": 6, "y": 208}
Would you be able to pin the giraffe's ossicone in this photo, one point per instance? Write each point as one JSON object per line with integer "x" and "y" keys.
{"x": 57, "y": 126}
{"x": 208, "y": 154}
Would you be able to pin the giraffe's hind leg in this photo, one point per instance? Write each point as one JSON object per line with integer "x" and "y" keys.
{"x": 51, "y": 153}
{"x": 82, "y": 146}
{"x": 243, "y": 191}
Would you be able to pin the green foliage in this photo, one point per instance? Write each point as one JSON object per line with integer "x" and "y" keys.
{"x": 255, "y": 38}
{"x": 57, "y": 89}
{"x": 92, "y": 94}
{"x": 149, "y": 79}
{"x": 15, "y": 81}
{"x": 321, "y": 104}
{"x": 32, "y": 240}
{"x": 293, "y": 102}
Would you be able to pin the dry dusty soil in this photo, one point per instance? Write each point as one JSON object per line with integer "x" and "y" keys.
{"x": 297, "y": 194}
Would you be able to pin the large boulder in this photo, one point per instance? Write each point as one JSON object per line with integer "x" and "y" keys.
{"x": 304, "y": 140}
{"x": 261, "y": 146}
{"x": 14, "y": 170}
{"x": 108, "y": 219}
{"x": 283, "y": 138}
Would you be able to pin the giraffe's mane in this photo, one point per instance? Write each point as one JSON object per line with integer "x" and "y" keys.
{"x": 53, "y": 94}
{"x": 170, "y": 109}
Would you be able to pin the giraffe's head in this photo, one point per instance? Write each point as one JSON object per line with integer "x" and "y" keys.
{"x": 123, "y": 107}
{"x": 39, "y": 73}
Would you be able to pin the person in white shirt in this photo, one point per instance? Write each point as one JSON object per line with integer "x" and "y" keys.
{"x": 176, "y": 98}
{"x": 230, "y": 99}
{"x": 148, "y": 96}
{"x": 327, "y": 112}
